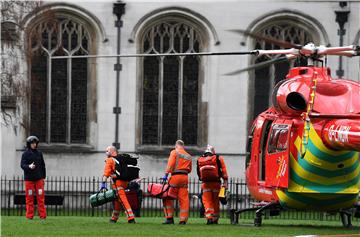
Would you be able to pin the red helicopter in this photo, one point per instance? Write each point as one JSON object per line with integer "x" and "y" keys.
{"x": 303, "y": 151}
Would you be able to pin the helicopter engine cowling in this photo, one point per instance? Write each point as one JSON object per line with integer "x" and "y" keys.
{"x": 342, "y": 134}
{"x": 287, "y": 99}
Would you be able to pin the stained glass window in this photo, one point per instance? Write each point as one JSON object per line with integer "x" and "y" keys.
{"x": 170, "y": 84}
{"x": 58, "y": 107}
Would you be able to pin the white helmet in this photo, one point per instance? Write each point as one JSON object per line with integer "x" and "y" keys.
{"x": 210, "y": 149}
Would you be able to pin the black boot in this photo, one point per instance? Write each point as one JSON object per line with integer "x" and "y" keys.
{"x": 112, "y": 221}
{"x": 209, "y": 222}
{"x": 132, "y": 221}
{"x": 169, "y": 221}
{"x": 182, "y": 223}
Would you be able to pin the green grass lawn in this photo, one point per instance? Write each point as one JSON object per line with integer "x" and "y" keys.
{"x": 146, "y": 226}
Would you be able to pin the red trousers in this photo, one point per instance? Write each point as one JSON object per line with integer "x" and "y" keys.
{"x": 35, "y": 188}
{"x": 180, "y": 182}
{"x": 210, "y": 198}
{"x": 122, "y": 201}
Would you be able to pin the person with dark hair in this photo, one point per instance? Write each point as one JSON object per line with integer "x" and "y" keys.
{"x": 32, "y": 162}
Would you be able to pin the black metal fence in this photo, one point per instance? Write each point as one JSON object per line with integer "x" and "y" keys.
{"x": 77, "y": 190}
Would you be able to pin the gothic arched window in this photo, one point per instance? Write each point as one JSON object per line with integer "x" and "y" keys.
{"x": 170, "y": 84}
{"x": 59, "y": 87}
{"x": 266, "y": 77}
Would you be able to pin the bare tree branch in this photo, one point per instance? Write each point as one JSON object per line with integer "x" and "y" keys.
{"x": 14, "y": 86}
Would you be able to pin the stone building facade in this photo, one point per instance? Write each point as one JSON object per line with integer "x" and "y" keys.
{"x": 71, "y": 103}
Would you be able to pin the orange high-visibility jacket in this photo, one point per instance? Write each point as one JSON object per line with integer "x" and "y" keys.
{"x": 223, "y": 168}
{"x": 109, "y": 169}
{"x": 179, "y": 162}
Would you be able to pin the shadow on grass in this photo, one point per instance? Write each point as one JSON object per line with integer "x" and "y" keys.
{"x": 307, "y": 226}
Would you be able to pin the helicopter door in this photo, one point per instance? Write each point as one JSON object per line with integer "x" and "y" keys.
{"x": 262, "y": 150}
{"x": 277, "y": 155}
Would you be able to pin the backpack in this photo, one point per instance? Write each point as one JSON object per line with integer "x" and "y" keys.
{"x": 126, "y": 167}
{"x": 209, "y": 168}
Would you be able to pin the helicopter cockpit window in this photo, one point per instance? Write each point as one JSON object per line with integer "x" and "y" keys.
{"x": 278, "y": 139}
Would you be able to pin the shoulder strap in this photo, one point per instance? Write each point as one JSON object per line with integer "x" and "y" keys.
{"x": 219, "y": 166}
{"x": 198, "y": 169}
{"x": 117, "y": 163}
{"x": 115, "y": 159}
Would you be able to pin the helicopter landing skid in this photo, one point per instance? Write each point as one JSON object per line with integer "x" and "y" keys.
{"x": 346, "y": 218}
{"x": 273, "y": 206}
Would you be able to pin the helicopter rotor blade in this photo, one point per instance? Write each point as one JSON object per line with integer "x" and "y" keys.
{"x": 291, "y": 51}
{"x": 350, "y": 53}
{"x": 262, "y": 64}
{"x": 322, "y": 50}
{"x": 253, "y": 52}
{"x": 278, "y": 42}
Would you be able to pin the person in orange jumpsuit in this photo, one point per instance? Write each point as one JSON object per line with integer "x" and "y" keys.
{"x": 119, "y": 185}
{"x": 179, "y": 166}
{"x": 211, "y": 189}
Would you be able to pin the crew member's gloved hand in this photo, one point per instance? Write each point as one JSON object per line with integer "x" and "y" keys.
{"x": 165, "y": 177}
{"x": 103, "y": 186}
{"x": 225, "y": 184}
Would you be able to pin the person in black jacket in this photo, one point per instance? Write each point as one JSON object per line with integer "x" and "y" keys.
{"x": 32, "y": 162}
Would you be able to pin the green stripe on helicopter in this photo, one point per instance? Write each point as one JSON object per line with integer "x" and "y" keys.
{"x": 326, "y": 156}
{"x": 305, "y": 164}
{"x": 330, "y": 199}
{"x": 318, "y": 179}
{"x": 294, "y": 202}
{"x": 318, "y": 143}
{"x": 325, "y": 188}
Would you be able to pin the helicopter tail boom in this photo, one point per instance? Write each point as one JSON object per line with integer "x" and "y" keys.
{"x": 342, "y": 134}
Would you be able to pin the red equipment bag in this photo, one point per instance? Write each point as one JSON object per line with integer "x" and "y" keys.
{"x": 133, "y": 199}
{"x": 163, "y": 191}
{"x": 209, "y": 168}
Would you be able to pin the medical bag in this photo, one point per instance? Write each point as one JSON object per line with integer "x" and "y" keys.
{"x": 163, "y": 191}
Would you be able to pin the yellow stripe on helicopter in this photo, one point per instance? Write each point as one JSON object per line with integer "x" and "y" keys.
{"x": 316, "y": 140}
{"x": 305, "y": 201}
{"x": 289, "y": 201}
{"x": 301, "y": 172}
{"x": 353, "y": 189}
{"x": 330, "y": 166}
{"x": 297, "y": 188}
